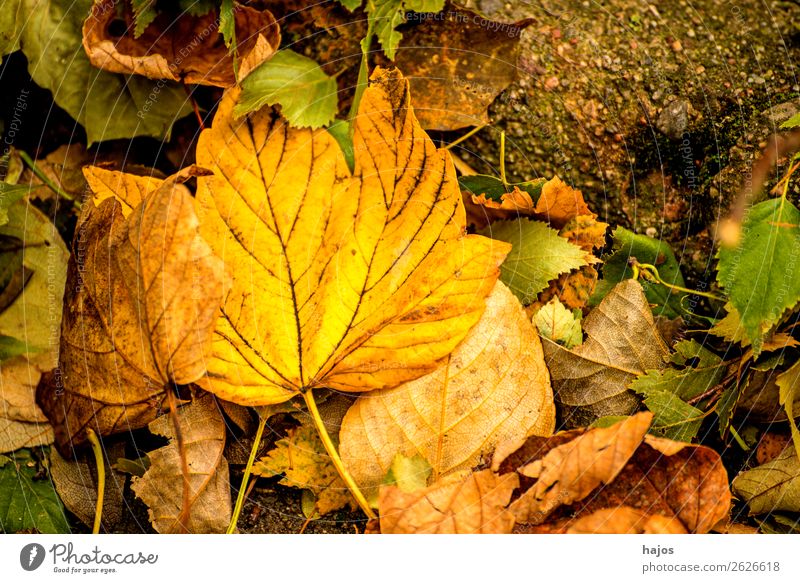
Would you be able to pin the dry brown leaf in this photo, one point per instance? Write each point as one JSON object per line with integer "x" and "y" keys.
{"x": 180, "y": 47}
{"x": 161, "y": 488}
{"x": 354, "y": 281}
{"x": 62, "y": 167}
{"x": 656, "y": 476}
{"x": 622, "y": 342}
{"x": 585, "y": 231}
{"x": 493, "y": 387}
{"x": 625, "y": 520}
{"x": 569, "y": 472}
{"x": 141, "y": 303}
{"x": 17, "y": 434}
{"x": 457, "y": 65}
{"x": 573, "y": 289}
{"x": 76, "y": 484}
{"x": 475, "y": 504}
{"x": 559, "y": 203}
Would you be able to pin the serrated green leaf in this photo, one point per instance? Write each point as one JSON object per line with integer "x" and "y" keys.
{"x": 559, "y": 324}
{"x": 756, "y": 274}
{"x": 386, "y": 15}
{"x": 307, "y": 95}
{"x": 646, "y": 250}
{"x": 144, "y": 12}
{"x": 108, "y": 105}
{"x": 789, "y": 384}
{"x": 227, "y": 22}
{"x": 538, "y": 255}
{"x": 771, "y": 486}
{"x": 350, "y": 4}
{"x": 26, "y": 501}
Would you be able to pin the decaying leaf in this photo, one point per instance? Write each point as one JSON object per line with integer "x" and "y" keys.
{"x": 27, "y": 503}
{"x": 625, "y": 520}
{"x": 454, "y": 505}
{"x": 492, "y": 388}
{"x": 161, "y": 488}
{"x": 354, "y": 282}
{"x": 140, "y": 307}
{"x": 76, "y": 484}
{"x": 573, "y": 475}
{"x": 22, "y": 423}
{"x": 621, "y": 344}
{"x": 773, "y": 486}
{"x": 179, "y": 46}
{"x": 789, "y": 384}
{"x": 302, "y": 460}
{"x": 457, "y": 65}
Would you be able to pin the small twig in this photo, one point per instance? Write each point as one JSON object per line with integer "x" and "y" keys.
{"x": 47, "y": 182}
{"x": 244, "y": 489}
{"x": 195, "y": 108}
{"x": 466, "y": 136}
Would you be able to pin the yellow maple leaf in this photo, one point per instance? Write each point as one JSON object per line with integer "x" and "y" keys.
{"x": 355, "y": 281}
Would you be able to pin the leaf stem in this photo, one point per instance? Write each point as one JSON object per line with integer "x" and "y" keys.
{"x": 466, "y": 136}
{"x": 651, "y": 271}
{"x": 237, "y": 509}
{"x": 337, "y": 461}
{"x": 43, "y": 177}
{"x": 503, "y": 158}
{"x": 101, "y": 478}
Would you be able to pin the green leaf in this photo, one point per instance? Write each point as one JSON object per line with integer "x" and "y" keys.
{"x": 9, "y": 194}
{"x": 108, "y": 105}
{"x": 494, "y": 188}
{"x": 350, "y": 4}
{"x": 227, "y": 22}
{"x": 789, "y": 384}
{"x": 28, "y": 502}
{"x": 792, "y": 122}
{"x": 538, "y": 255}
{"x": 757, "y": 275}
{"x": 340, "y": 130}
{"x": 646, "y": 250}
{"x": 771, "y": 486}
{"x": 144, "y": 12}
{"x": 666, "y": 391}
{"x": 386, "y": 15}
{"x": 307, "y": 95}
{"x": 557, "y": 323}
{"x": 408, "y": 473}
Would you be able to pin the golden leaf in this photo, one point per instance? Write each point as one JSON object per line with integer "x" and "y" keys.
{"x": 626, "y": 520}
{"x": 471, "y": 505}
{"x": 492, "y": 388}
{"x": 202, "y": 430}
{"x": 142, "y": 299}
{"x": 182, "y": 48}
{"x": 128, "y": 189}
{"x": 352, "y": 282}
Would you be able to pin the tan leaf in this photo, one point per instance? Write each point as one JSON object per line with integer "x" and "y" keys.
{"x": 674, "y": 480}
{"x": 353, "y": 282}
{"x": 559, "y": 203}
{"x": 17, "y": 434}
{"x": 180, "y": 47}
{"x": 474, "y": 504}
{"x": 161, "y": 488}
{"x": 622, "y": 342}
{"x": 142, "y": 299}
{"x": 625, "y": 520}
{"x": 76, "y": 484}
{"x": 493, "y": 387}
{"x": 569, "y": 472}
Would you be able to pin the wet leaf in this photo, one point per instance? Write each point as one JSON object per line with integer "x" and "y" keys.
{"x": 754, "y": 274}
{"x": 537, "y": 256}
{"x": 492, "y": 388}
{"x": 622, "y": 343}
{"x": 474, "y": 504}
{"x": 772, "y": 486}
{"x": 178, "y": 45}
{"x": 307, "y": 96}
{"x": 28, "y": 502}
{"x": 161, "y": 488}
{"x": 131, "y": 323}
{"x": 354, "y": 282}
